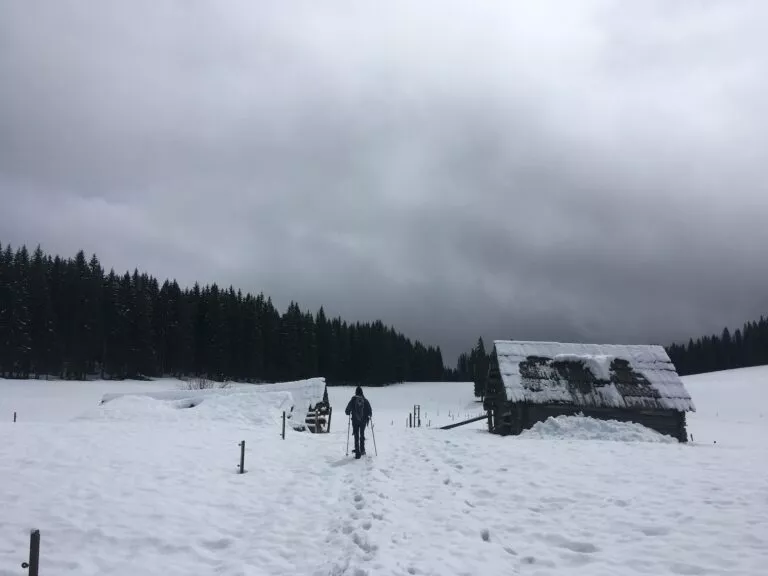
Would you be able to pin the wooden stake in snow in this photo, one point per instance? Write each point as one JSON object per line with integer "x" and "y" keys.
{"x": 242, "y": 457}
{"x": 34, "y": 554}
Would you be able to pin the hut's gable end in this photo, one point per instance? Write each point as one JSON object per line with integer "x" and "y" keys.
{"x": 591, "y": 375}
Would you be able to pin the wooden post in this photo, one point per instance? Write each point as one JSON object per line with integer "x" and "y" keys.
{"x": 330, "y": 412}
{"x": 242, "y": 457}
{"x": 410, "y": 420}
{"x": 14, "y": 416}
{"x": 283, "y": 424}
{"x": 34, "y": 554}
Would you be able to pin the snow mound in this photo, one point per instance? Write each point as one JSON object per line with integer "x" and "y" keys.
{"x": 246, "y": 404}
{"x": 585, "y": 428}
{"x": 234, "y": 407}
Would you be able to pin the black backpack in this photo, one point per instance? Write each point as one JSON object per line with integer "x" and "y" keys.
{"x": 358, "y": 410}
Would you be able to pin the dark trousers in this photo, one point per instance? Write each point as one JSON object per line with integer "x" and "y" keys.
{"x": 358, "y": 429}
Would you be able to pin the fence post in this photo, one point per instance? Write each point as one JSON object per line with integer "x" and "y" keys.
{"x": 14, "y": 416}
{"x": 330, "y": 413}
{"x": 242, "y": 457}
{"x": 34, "y": 554}
{"x": 283, "y": 424}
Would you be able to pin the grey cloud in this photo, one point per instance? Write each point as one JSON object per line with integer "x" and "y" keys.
{"x": 591, "y": 172}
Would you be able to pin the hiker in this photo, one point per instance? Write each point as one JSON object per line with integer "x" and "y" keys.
{"x": 360, "y": 410}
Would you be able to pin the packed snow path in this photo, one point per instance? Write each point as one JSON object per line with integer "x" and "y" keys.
{"x": 123, "y": 497}
{"x": 438, "y": 503}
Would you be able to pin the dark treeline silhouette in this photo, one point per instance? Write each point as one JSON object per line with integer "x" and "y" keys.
{"x": 70, "y": 319}
{"x": 747, "y": 346}
{"x": 473, "y": 367}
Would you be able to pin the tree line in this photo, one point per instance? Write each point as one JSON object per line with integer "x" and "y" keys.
{"x": 473, "y": 367}
{"x": 70, "y": 319}
{"x": 747, "y": 346}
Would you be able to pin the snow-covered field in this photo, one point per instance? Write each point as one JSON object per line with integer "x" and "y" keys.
{"x": 141, "y": 486}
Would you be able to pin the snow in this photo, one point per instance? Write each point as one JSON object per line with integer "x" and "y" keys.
{"x": 59, "y": 401}
{"x": 249, "y": 407}
{"x": 242, "y": 401}
{"x": 141, "y": 485}
{"x": 598, "y": 364}
{"x": 569, "y": 428}
{"x": 649, "y": 360}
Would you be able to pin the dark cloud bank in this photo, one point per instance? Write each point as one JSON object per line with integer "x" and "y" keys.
{"x": 528, "y": 170}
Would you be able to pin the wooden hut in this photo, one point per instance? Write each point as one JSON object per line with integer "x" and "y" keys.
{"x": 530, "y": 381}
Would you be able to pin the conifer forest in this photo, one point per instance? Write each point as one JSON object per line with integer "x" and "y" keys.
{"x": 70, "y": 319}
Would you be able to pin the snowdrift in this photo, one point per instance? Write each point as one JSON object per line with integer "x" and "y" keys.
{"x": 167, "y": 500}
{"x": 585, "y": 428}
{"x": 254, "y": 404}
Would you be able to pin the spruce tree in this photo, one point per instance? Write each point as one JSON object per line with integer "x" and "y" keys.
{"x": 6, "y": 304}
{"x": 479, "y": 368}
{"x": 43, "y": 325}
{"x": 20, "y": 321}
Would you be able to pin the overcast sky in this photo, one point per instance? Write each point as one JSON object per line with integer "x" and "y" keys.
{"x": 590, "y": 171}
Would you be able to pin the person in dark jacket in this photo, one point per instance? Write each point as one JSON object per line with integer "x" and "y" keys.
{"x": 360, "y": 410}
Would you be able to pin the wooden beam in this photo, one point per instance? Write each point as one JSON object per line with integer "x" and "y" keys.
{"x": 457, "y": 424}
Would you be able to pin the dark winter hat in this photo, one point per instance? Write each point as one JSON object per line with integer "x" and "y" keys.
{"x": 358, "y": 391}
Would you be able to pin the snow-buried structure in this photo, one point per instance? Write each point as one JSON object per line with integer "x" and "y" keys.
{"x": 529, "y": 382}
{"x": 304, "y": 401}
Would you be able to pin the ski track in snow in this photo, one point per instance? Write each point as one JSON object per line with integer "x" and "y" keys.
{"x": 120, "y": 498}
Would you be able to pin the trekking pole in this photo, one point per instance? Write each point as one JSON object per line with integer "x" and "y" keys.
{"x": 373, "y": 435}
{"x": 349, "y": 423}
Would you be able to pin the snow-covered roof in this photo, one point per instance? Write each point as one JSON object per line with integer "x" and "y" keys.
{"x": 591, "y": 375}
